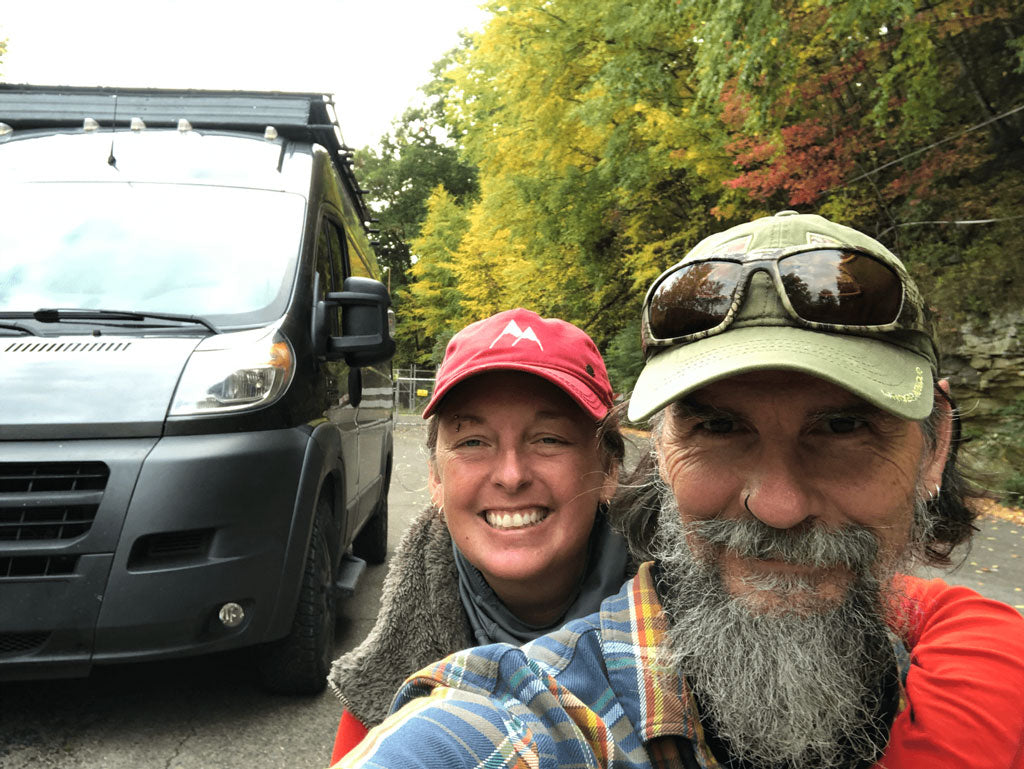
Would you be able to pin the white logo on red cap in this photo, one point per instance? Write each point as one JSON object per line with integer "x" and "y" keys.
{"x": 512, "y": 329}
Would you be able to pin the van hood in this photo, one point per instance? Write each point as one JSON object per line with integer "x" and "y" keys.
{"x": 88, "y": 387}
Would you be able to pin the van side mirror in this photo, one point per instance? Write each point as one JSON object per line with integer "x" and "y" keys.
{"x": 365, "y": 328}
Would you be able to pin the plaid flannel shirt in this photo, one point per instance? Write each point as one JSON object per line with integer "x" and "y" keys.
{"x": 589, "y": 695}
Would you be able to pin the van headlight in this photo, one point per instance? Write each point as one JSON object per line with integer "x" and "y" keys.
{"x": 234, "y": 372}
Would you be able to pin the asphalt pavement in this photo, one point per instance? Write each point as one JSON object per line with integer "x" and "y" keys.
{"x": 993, "y": 564}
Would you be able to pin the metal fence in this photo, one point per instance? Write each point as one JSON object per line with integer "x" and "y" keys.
{"x": 413, "y": 387}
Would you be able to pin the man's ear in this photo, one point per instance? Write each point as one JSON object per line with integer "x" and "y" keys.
{"x": 657, "y": 439}
{"x": 936, "y": 462}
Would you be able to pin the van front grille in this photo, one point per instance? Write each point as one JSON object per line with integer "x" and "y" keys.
{"x": 46, "y": 501}
{"x": 22, "y": 566}
{"x": 45, "y": 523}
{"x": 40, "y": 477}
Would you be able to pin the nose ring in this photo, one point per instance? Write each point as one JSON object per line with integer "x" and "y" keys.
{"x": 746, "y": 504}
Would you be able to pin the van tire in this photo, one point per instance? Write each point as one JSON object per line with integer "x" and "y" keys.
{"x": 299, "y": 662}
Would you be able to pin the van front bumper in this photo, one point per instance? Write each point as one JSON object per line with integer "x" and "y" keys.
{"x": 118, "y": 550}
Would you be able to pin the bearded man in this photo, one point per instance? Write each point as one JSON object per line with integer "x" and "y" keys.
{"x": 803, "y": 459}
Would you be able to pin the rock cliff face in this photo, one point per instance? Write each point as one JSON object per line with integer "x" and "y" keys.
{"x": 985, "y": 366}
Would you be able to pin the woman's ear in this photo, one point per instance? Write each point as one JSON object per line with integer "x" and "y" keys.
{"x": 434, "y": 484}
{"x": 936, "y": 462}
{"x": 610, "y": 485}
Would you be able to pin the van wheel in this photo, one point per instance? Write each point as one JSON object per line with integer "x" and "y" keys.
{"x": 299, "y": 662}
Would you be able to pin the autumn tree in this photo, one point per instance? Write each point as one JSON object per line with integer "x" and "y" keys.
{"x": 611, "y": 137}
{"x": 399, "y": 176}
{"x": 578, "y": 116}
{"x": 902, "y": 118}
{"x": 418, "y": 155}
{"x": 433, "y": 289}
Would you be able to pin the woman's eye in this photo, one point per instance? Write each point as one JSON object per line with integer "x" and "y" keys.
{"x": 718, "y": 426}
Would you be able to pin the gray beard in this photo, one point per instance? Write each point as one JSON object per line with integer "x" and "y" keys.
{"x": 797, "y": 686}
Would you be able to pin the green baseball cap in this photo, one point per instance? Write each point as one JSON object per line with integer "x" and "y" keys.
{"x": 892, "y": 366}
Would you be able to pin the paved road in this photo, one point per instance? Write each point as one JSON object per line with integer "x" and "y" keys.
{"x": 994, "y": 564}
{"x": 207, "y": 714}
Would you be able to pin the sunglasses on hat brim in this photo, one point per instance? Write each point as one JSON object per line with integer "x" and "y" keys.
{"x": 830, "y": 289}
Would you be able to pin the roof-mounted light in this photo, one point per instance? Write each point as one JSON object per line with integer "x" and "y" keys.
{"x": 270, "y": 133}
{"x": 90, "y": 124}
{"x": 184, "y": 125}
{"x": 137, "y": 124}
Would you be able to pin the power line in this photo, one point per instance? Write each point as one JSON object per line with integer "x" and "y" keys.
{"x": 959, "y": 222}
{"x": 882, "y": 167}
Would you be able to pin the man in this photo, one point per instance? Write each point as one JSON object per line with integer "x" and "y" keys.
{"x": 804, "y": 455}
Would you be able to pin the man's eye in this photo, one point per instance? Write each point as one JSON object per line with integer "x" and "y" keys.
{"x": 471, "y": 442}
{"x": 551, "y": 440}
{"x": 844, "y": 425}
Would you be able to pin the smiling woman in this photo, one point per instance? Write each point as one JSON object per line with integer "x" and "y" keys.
{"x": 524, "y": 457}
{"x": 518, "y": 475}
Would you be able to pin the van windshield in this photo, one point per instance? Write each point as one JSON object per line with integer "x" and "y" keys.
{"x": 226, "y": 253}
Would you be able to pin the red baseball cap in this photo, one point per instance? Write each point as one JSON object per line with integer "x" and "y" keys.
{"x": 521, "y": 340}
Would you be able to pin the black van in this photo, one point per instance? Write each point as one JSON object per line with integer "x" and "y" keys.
{"x": 195, "y": 383}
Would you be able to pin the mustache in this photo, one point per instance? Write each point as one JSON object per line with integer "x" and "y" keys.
{"x": 809, "y": 544}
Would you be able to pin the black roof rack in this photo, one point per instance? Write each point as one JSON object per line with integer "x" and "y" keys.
{"x": 306, "y": 117}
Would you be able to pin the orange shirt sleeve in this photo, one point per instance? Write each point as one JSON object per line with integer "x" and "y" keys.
{"x": 965, "y": 687}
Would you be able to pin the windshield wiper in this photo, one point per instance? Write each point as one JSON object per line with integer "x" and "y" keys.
{"x": 56, "y": 315}
{"x": 17, "y": 327}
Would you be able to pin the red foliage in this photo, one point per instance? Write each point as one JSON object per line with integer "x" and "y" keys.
{"x": 805, "y": 158}
{"x": 735, "y": 110}
{"x": 809, "y": 158}
{"x": 828, "y": 126}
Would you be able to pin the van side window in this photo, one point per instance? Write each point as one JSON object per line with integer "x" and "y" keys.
{"x": 357, "y": 261}
{"x": 328, "y": 267}
{"x": 337, "y": 240}
{"x": 338, "y": 253}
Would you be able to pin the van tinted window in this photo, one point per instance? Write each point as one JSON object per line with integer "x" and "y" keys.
{"x": 357, "y": 263}
{"x": 330, "y": 258}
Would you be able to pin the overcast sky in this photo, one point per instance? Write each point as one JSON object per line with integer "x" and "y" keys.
{"x": 372, "y": 55}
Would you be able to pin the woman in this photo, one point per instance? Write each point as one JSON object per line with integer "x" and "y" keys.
{"x": 524, "y": 457}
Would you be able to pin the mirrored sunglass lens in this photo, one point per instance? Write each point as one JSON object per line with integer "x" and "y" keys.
{"x": 843, "y": 287}
{"x": 693, "y": 298}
